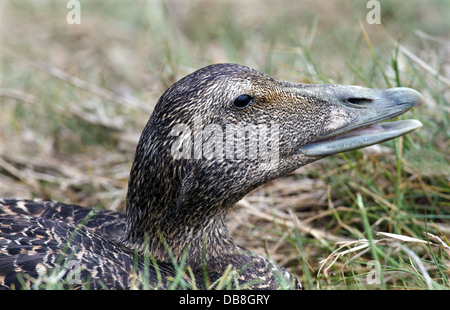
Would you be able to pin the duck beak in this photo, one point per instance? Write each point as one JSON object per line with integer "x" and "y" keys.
{"x": 366, "y": 108}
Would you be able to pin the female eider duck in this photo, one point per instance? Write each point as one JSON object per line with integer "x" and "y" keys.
{"x": 213, "y": 136}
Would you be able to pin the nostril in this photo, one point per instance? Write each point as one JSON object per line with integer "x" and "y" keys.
{"x": 359, "y": 101}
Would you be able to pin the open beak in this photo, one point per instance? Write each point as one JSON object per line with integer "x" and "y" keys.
{"x": 369, "y": 108}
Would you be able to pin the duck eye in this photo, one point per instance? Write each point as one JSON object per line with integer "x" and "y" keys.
{"x": 242, "y": 101}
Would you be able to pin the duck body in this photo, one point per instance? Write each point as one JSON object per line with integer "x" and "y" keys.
{"x": 193, "y": 162}
{"x": 109, "y": 224}
{"x": 78, "y": 256}
{"x": 81, "y": 249}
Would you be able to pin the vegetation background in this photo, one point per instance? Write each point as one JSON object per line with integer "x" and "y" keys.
{"x": 75, "y": 97}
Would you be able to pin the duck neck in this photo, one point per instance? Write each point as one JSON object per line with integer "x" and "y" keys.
{"x": 167, "y": 233}
{"x": 169, "y": 211}
{"x": 179, "y": 206}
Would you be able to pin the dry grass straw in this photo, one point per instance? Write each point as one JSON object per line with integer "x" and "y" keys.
{"x": 351, "y": 250}
{"x": 359, "y": 247}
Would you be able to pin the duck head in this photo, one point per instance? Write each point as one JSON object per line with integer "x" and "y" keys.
{"x": 224, "y": 130}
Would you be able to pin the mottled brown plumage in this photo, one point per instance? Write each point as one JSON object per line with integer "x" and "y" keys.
{"x": 178, "y": 204}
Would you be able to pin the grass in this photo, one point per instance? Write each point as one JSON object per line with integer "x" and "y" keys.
{"x": 74, "y": 99}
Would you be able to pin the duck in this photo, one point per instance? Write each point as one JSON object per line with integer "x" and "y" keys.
{"x": 213, "y": 136}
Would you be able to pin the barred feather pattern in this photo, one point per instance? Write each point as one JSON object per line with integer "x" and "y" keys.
{"x": 71, "y": 246}
{"x": 31, "y": 246}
